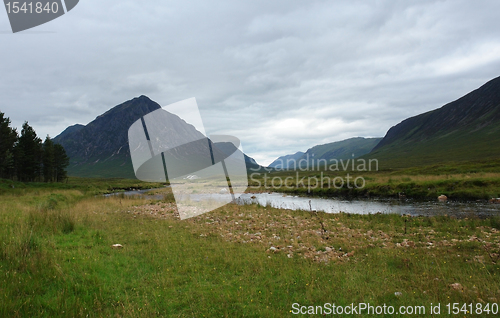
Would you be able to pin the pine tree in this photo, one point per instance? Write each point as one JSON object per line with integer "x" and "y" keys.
{"x": 48, "y": 160}
{"x": 8, "y": 137}
{"x": 61, "y": 162}
{"x": 28, "y": 155}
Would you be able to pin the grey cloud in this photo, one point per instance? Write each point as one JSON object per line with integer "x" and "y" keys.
{"x": 330, "y": 69}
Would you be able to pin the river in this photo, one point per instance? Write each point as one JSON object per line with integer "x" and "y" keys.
{"x": 358, "y": 206}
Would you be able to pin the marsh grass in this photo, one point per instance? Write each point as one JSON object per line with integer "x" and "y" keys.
{"x": 460, "y": 186}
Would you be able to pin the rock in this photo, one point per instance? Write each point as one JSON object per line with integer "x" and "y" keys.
{"x": 272, "y": 248}
{"x": 117, "y": 246}
{"x": 223, "y": 191}
{"x": 442, "y": 198}
{"x": 328, "y": 249}
{"x": 397, "y": 294}
{"x": 494, "y": 200}
{"x": 456, "y": 286}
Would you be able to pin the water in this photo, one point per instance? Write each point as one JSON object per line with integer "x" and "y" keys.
{"x": 368, "y": 206}
{"x": 372, "y": 206}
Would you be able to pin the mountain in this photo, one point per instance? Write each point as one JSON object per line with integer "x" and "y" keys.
{"x": 345, "y": 149}
{"x": 70, "y": 130}
{"x": 283, "y": 161}
{"x": 228, "y": 148}
{"x": 465, "y": 129}
{"x": 101, "y": 148}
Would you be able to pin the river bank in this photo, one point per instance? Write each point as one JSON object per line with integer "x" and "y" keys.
{"x": 383, "y": 185}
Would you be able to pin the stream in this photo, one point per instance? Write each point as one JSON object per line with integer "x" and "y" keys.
{"x": 358, "y": 206}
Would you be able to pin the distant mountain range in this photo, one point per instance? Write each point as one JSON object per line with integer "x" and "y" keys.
{"x": 100, "y": 149}
{"x": 465, "y": 129}
{"x": 283, "y": 162}
{"x": 345, "y": 149}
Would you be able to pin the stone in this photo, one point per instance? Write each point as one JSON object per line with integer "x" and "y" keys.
{"x": 456, "y": 286}
{"x": 442, "y": 198}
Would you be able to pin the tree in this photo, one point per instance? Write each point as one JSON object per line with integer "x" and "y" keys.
{"x": 8, "y": 137}
{"x": 61, "y": 162}
{"x": 48, "y": 160}
{"x": 28, "y": 155}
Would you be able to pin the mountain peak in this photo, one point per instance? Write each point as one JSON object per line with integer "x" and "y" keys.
{"x": 101, "y": 148}
{"x": 142, "y": 102}
{"x": 105, "y": 139}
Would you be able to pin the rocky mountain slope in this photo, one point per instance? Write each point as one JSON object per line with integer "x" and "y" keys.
{"x": 465, "y": 129}
{"x": 101, "y": 149}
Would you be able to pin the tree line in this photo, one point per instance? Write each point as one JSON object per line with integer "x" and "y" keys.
{"x": 26, "y": 158}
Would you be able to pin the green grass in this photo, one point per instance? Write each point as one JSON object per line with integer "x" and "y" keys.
{"x": 459, "y": 146}
{"x": 476, "y": 180}
{"x": 118, "y": 166}
{"x": 86, "y": 185}
{"x": 56, "y": 258}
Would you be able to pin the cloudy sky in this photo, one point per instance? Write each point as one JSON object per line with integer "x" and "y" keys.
{"x": 281, "y": 75}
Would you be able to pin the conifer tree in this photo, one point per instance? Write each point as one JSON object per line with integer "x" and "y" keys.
{"x": 8, "y": 137}
{"x": 61, "y": 162}
{"x": 48, "y": 160}
{"x": 28, "y": 155}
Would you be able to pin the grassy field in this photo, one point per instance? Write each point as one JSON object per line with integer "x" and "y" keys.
{"x": 89, "y": 186}
{"x": 477, "y": 180}
{"x": 57, "y": 260}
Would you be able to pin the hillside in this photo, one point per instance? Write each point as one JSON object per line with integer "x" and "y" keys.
{"x": 228, "y": 148}
{"x": 344, "y": 149}
{"x": 282, "y": 162}
{"x": 463, "y": 130}
{"x": 100, "y": 149}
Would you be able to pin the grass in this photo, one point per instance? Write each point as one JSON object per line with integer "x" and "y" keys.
{"x": 91, "y": 186}
{"x": 455, "y": 148}
{"x": 56, "y": 258}
{"x": 464, "y": 181}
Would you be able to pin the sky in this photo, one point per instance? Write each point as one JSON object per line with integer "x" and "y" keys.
{"x": 281, "y": 75}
